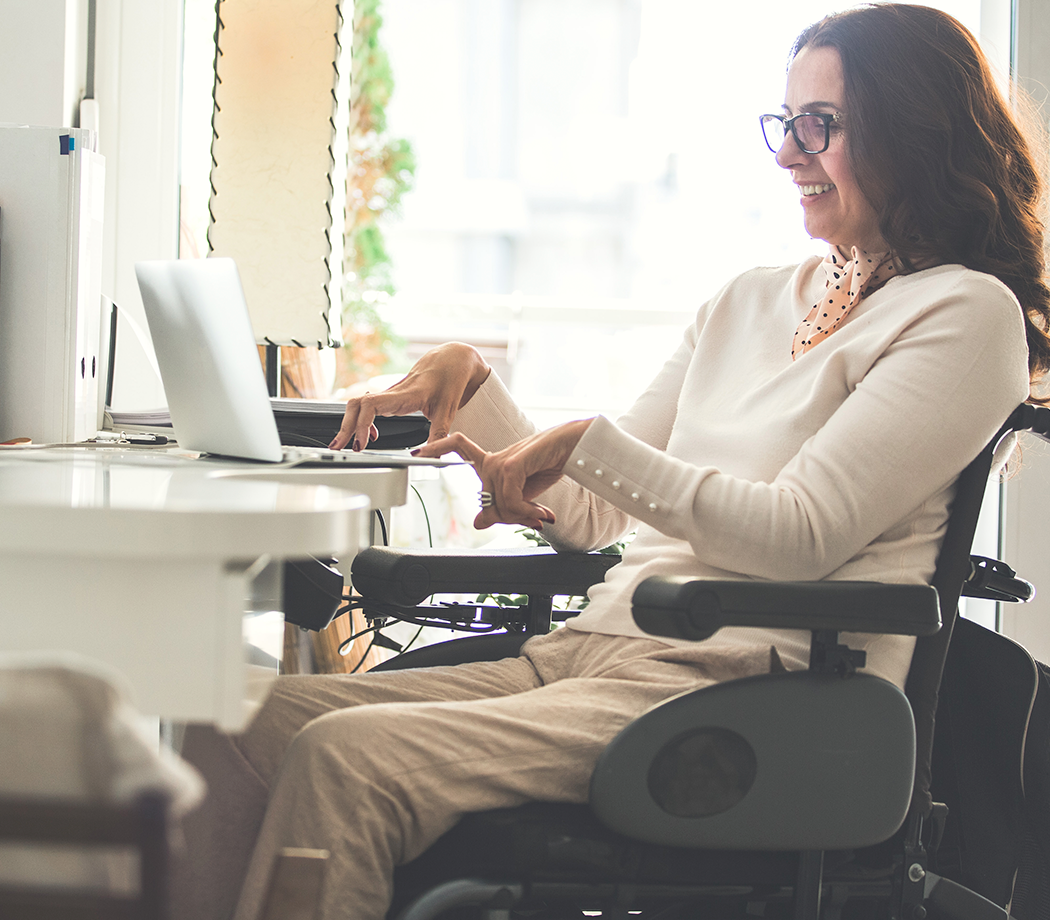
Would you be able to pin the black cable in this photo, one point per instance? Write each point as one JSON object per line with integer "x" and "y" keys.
{"x": 387, "y": 611}
{"x": 313, "y": 441}
{"x": 377, "y": 609}
{"x": 449, "y": 624}
{"x": 344, "y": 645}
{"x": 382, "y": 526}
{"x": 411, "y": 641}
{"x": 430, "y": 540}
{"x": 426, "y": 517}
{"x": 355, "y": 668}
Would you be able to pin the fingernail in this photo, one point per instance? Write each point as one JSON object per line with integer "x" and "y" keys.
{"x": 356, "y": 445}
{"x": 414, "y": 453}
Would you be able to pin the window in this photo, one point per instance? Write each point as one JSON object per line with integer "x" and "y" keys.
{"x": 571, "y": 206}
{"x": 588, "y": 172}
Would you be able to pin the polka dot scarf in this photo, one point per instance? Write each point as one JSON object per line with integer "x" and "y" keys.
{"x": 849, "y": 280}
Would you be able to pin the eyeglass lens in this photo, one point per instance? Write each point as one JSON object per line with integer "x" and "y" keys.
{"x": 810, "y": 131}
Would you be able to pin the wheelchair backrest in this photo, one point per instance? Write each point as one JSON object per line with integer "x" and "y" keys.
{"x": 953, "y": 568}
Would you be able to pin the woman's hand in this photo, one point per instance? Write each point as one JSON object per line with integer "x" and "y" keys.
{"x": 439, "y": 385}
{"x": 516, "y": 475}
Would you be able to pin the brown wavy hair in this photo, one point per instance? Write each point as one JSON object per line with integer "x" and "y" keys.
{"x": 936, "y": 143}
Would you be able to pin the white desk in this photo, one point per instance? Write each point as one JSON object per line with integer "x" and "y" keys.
{"x": 149, "y": 561}
{"x": 384, "y": 487}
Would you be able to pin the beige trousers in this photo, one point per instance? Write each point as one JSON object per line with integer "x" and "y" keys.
{"x": 375, "y": 767}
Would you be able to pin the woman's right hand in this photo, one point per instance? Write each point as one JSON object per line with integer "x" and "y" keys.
{"x": 439, "y": 385}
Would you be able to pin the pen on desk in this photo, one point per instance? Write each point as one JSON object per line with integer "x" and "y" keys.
{"x": 136, "y": 437}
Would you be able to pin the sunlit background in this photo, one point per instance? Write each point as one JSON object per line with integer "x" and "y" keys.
{"x": 588, "y": 172}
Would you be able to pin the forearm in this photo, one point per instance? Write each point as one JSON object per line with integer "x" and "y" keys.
{"x": 584, "y": 521}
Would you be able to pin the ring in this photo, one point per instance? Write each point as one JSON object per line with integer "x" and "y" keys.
{"x": 486, "y": 499}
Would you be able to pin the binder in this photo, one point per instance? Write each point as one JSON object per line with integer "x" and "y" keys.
{"x": 300, "y": 423}
{"x": 52, "y": 199}
{"x": 313, "y": 423}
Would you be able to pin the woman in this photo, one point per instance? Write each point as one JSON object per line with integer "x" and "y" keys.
{"x": 811, "y": 425}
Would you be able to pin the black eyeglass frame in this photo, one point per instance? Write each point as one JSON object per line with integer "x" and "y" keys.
{"x": 825, "y": 118}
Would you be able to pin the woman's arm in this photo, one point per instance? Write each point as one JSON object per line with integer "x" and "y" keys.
{"x": 925, "y": 408}
{"x": 922, "y": 411}
{"x": 582, "y": 520}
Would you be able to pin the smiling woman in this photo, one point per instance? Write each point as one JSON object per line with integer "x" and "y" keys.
{"x": 933, "y": 174}
{"x": 768, "y": 446}
{"x": 835, "y": 208}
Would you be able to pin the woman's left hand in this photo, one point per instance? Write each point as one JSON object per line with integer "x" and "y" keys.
{"x": 516, "y": 475}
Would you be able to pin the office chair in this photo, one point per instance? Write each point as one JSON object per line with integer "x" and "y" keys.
{"x": 140, "y": 826}
{"x": 695, "y": 813}
{"x": 86, "y": 801}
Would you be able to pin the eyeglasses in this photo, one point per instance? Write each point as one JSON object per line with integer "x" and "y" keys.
{"x": 812, "y": 131}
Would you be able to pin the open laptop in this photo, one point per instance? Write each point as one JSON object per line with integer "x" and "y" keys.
{"x": 212, "y": 375}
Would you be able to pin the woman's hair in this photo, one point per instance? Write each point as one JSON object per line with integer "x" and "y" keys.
{"x": 936, "y": 150}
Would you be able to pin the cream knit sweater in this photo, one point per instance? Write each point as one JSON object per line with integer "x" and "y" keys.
{"x": 738, "y": 462}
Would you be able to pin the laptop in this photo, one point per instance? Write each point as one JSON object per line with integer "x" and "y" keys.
{"x": 209, "y": 365}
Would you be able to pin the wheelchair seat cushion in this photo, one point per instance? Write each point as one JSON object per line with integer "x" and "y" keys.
{"x": 552, "y": 842}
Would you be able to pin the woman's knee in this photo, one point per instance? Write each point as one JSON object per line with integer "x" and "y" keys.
{"x": 341, "y": 735}
{"x": 289, "y": 706}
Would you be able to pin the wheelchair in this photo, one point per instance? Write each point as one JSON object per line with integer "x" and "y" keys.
{"x": 804, "y": 794}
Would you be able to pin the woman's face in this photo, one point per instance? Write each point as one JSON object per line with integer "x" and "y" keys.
{"x": 833, "y": 207}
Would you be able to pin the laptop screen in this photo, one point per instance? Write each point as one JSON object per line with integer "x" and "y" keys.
{"x": 208, "y": 360}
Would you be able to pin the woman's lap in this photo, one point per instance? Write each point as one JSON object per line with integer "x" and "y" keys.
{"x": 375, "y": 767}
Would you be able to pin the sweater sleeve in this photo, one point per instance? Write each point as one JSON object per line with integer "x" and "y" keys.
{"x": 929, "y": 402}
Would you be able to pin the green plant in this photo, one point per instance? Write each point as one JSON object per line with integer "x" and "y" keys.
{"x": 569, "y": 603}
{"x": 381, "y": 169}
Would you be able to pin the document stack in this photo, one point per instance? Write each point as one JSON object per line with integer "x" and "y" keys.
{"x": 52, "y": 197}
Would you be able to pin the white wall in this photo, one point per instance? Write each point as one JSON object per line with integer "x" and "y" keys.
{"x": 138, "y": 48}
{"x": 1027, "y": 505}
{"x": 43, "y": 63}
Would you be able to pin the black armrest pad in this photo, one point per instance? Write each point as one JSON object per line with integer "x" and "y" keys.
{"x": 684, "y": 608}
{"x": 994, "y": 580}
{"x": 408, "y": 577}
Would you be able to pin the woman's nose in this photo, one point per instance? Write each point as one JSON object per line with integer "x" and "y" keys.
{"x": 790, "y": 154}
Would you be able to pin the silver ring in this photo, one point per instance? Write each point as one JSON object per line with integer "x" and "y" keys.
{"x": 486, "y": 499}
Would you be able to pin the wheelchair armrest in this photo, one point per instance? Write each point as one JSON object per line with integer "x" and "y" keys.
{"x": 408, "y": 577}
{"x": 685, "y": 608}
{"x": 993, "y": 580}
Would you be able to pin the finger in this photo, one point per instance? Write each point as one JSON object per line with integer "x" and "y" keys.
{"x": 441, "y": 416}
{"x": 437, "y": 448}
{"x": 513, "y": 492}
{"x": 534, "y": 520}
{"x": 546, "y": 514}
{"x": 508, "y": 505}
{"x": 365, "y": 429}
{"x": 538, "y": 483}
{"x": 489, "y": 516}
{"x": 526, "y": 513}
{"x": 455, "y": 443}
{"x": 346, "y": 429}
